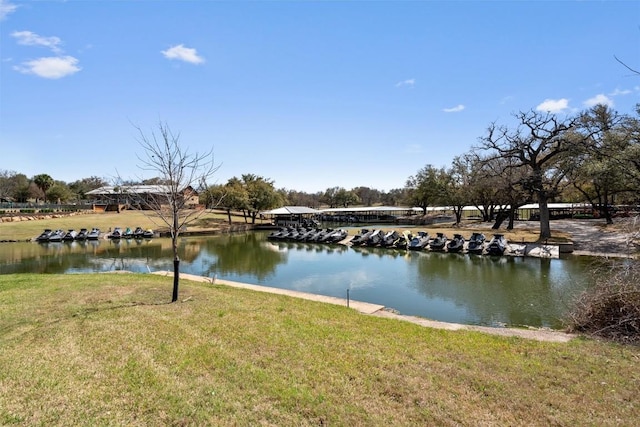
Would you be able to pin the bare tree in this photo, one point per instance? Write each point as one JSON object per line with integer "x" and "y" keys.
{"x": 183, "y": 173}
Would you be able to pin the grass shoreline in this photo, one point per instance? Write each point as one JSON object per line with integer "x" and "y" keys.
{"x": 541, "y": 334}
{"x": 215, "y": 222}
{"x": 108, "y": 349}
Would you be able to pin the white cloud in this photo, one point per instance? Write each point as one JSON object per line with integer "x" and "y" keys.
{"x": 455, "y": 109}
{"x": 620, "y": 92}
{"x": 50, "y": 67}
{"x": 28, "y": 38}
{"x": 553, "y": 105}
{"x": 597, "y": 100}
{"x": 408, "y": 82}
{"x": 6, "y": 9}
{"x": 182, "y": 53}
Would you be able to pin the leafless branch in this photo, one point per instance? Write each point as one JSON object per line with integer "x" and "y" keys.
{"x": 626, "y": 66}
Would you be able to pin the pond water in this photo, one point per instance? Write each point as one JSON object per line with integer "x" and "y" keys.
{"x": 470, "y": 289}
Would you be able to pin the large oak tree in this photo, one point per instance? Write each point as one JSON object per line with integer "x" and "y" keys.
{"x": 540, "y": 144}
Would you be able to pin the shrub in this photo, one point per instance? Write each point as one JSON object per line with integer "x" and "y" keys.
{"x": 583, "y": 216}
{"x": 611, "y": 309}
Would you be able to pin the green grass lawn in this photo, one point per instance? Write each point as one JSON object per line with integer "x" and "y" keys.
{"x": 107, "y": 349}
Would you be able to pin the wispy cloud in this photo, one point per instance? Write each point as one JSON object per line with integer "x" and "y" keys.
{"x": 408, "y": 82}
{"x": 600, "y": 99}
{"x": 507, "y": 99}
{"x": 6, "y": 8}
{"x": 553, "y": 105}
{"x": 455, "y": 109}
{"x": 182, "y": 53}
{"x": 619, "y": 92}
{"x": 29, "y": 38}
{"x": 413, "y": 149}
{"x": 50, "y": 67}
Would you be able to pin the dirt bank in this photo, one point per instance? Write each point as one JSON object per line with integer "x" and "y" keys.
{"x": 594, "y": 237}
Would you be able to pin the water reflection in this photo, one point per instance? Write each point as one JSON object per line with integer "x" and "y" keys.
{"x": 449, "y": 287}
{"x": 524, "y": 290}
{"x": 240, "y": 254}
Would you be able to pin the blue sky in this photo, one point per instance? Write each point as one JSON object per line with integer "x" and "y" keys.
{"x": 312, "y": 95}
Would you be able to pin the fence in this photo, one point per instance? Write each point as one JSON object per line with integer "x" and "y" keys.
{"x": 33, "y": 208}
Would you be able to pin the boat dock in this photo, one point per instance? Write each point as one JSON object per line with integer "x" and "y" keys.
{"x": 533, "y": 250}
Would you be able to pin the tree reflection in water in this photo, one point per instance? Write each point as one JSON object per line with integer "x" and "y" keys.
{"x": 238, "y": 254}
{"x": 449, "y": 287}
{"x": 524, "y": 290}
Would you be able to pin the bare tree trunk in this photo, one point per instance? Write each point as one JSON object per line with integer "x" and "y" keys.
{"x": 176, "y": 279}
{"x": 176, "y": 258}
{"x": 484, "y": 211}
{"x": 512, "y": 218}
{"x": 607, "y": 216}
{"x": 605, "y": 209}
{"x": 500, "y": 217}
{"x": 458, "y": 212}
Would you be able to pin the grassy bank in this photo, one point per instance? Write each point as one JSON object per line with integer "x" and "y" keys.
{"x": 107, "y": 349}
{"x": 24, "y": 230}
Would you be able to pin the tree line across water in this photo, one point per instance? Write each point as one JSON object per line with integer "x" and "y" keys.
{"x": 590, "y": 157}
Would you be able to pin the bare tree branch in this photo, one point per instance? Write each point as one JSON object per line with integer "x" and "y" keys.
{"x": 626, "y": 66}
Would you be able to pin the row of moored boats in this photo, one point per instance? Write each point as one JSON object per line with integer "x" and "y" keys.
{"x": 60, "y": 235}
{"x": 309, "y": 234}
{"x": 476, "y": 244}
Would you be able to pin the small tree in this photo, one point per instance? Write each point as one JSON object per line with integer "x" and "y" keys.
{"x": 261, "y": 195}
{"x": 84, "y": 185}
{"x": 329, "y": 197}
{"x": 427, "y": 187}
{"x": 598, "y": 167}
{"x": 12, "y": 184}
{"x": 368, "y": 196}
{"x": 44, "y": 183}
{"x": 182, "y": 172}
{"x": 345, "y": 198}
{"x": 58, "y": 192}
{"x": 231, "y": 196}
{"x": 457, "y": 186}
{"x": 394, "y": 197}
